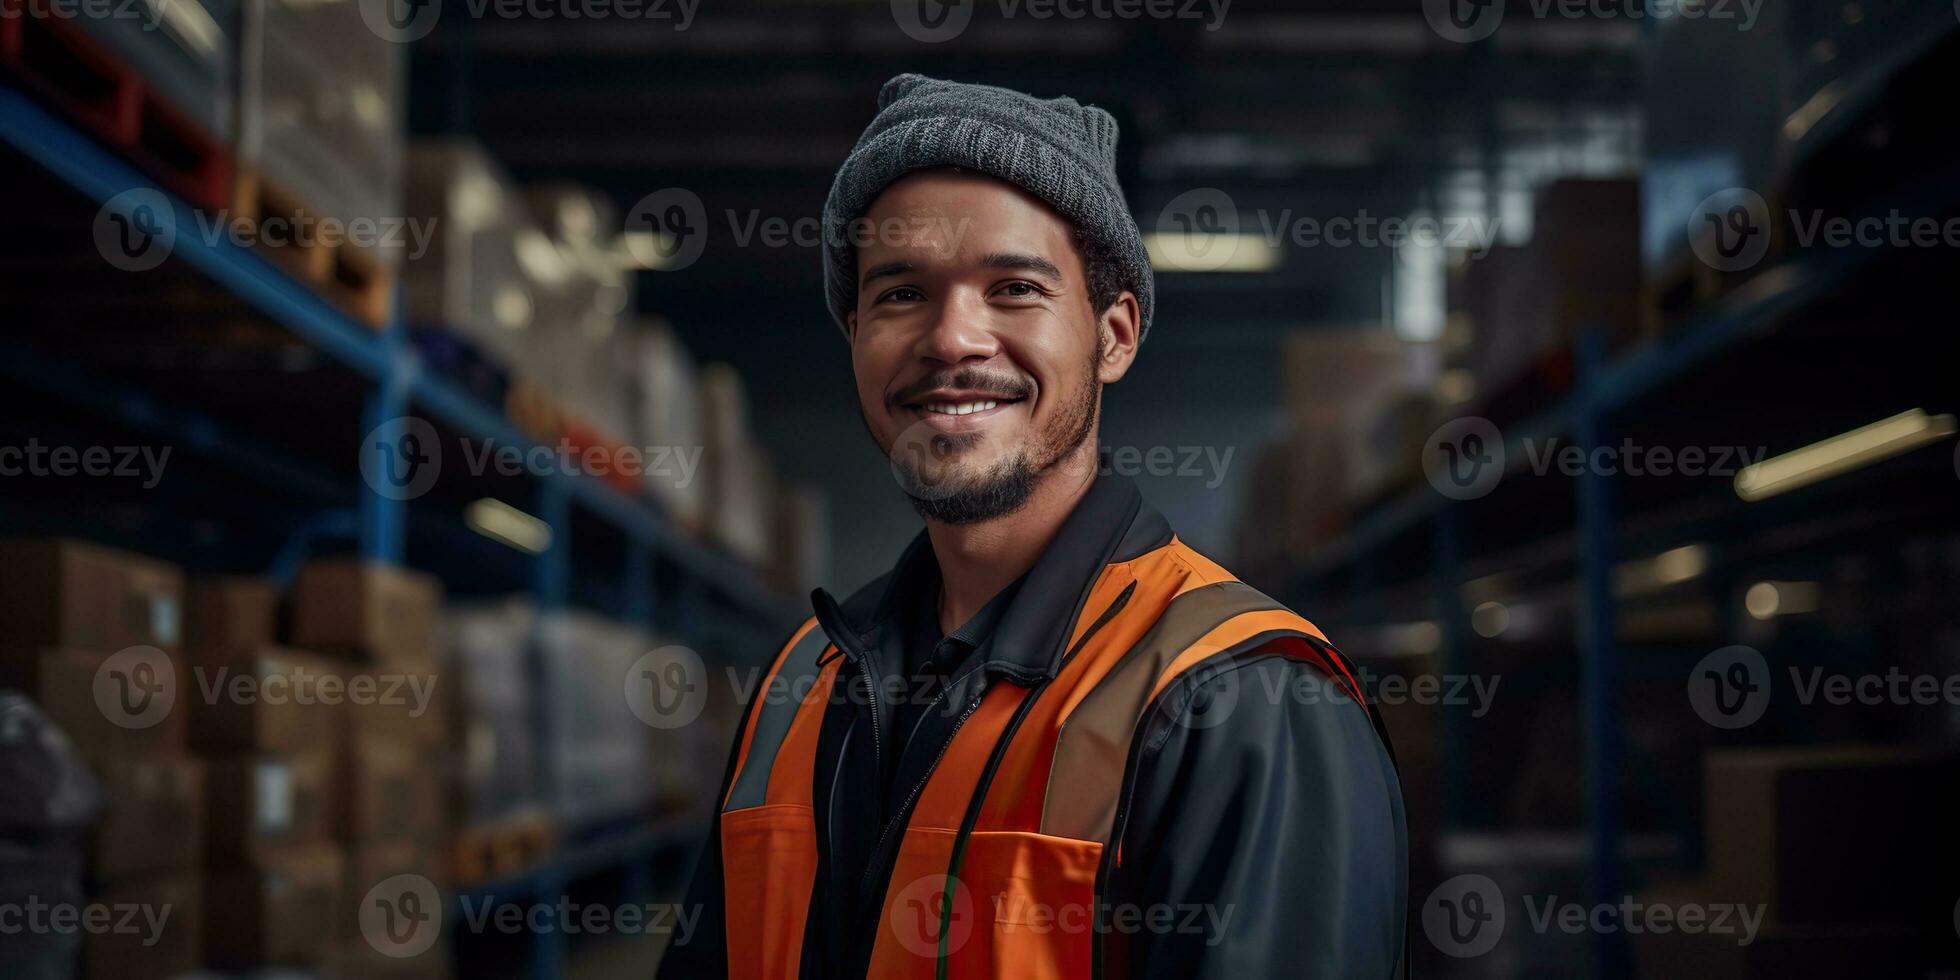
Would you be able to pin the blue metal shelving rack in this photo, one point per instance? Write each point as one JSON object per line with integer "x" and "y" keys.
{"x": 1603, "y": 392}
{"x": 398, "y": 385}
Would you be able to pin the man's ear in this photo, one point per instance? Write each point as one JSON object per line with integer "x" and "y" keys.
{"x": 851, "y": 326}
{"x": 1118, "y": 325}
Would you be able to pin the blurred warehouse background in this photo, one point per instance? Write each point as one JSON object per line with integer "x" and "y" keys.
{"x": 421, "y": 420}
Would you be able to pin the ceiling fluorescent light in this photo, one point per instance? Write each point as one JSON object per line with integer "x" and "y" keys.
{"x": 1841, "y": 454}
{"x": 1172, "y": 251}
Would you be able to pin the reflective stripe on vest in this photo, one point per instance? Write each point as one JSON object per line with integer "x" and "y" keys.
{"x": 1021, "y": 900}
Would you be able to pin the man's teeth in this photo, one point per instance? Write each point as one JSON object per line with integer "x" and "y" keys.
{"x": 963, "y": 408}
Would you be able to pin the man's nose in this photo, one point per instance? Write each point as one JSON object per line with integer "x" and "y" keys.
{"x": 959, "y": 330}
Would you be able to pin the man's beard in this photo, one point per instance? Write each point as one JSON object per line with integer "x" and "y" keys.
{"x": 1007, "y": 485}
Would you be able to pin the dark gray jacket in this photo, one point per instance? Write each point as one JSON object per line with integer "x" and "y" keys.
{"x": 1275, "y": 838}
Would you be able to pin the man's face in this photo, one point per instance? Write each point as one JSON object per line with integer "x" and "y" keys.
{"x": 978, "y": 357}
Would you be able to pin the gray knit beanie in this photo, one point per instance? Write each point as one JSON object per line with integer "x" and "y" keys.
{"x": 1056, "y": 149}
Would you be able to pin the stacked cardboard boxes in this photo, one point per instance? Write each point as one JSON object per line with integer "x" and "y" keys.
{"x": 93, "y": 635}
{"x": 1357, "y": 409}
{"x": 391, "y": 741}
{"x": 259, "y": 716}
{"x": 1523, "y": 309}
{"x": 1845, "y": 853}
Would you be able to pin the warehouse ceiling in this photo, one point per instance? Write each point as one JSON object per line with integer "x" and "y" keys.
{"x": 1295, "y": 109}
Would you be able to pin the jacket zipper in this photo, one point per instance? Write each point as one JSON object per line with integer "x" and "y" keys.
{"x": 972, "y": 815}
{"x": 905, "y": 809}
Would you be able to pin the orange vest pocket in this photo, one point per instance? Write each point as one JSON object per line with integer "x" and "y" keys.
{"x": 769, "y": 863}
{"x": 1022, "y": 909}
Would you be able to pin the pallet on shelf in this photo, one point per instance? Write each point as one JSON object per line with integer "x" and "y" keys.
{"x": 486, "y": 852}
{"x": 79, "y": 76}
{"x": 349, "y": 276}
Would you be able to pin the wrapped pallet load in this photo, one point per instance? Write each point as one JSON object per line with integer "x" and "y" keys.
{"x": 739, "y": 490}
{"x": 469, "y": 299}
{"x": 320, "y": 141}
{"x": 582, "y": 300}
{"x": 597, "y": 760}
{"x": 484, "y": 647}
{"x": 669, "y": 424}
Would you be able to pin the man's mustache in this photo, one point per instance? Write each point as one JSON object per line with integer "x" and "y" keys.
{"x": 964, "y": 379}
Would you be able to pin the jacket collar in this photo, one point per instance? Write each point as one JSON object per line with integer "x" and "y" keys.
{"x": 1110, "y": 523}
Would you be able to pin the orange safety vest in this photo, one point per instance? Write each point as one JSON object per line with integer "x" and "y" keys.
{"x": 997, "y": 872}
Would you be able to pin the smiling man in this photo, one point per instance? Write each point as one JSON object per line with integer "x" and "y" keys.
{"x": 1054, "y": 741}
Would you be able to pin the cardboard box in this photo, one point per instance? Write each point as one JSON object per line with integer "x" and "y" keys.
{"x": 264, "y": 699}
{"x": 263, "y": 804}
{"x": 111, "y": 706}
{"x": 155, "y": 818}
{"x": 162, "y": 938}
{"x": 284, "y": 910}
{"x": 386, "y": 788}
{"x": 231, "y": 614}
{"x": 408, "y": 705}
{"x": 62, "y": 593}
{"x": 1327, "y": 371}
{"x": 1778, "y": 823}
{"x": 373, "y": 612}
{"x": 1525, "y": 307}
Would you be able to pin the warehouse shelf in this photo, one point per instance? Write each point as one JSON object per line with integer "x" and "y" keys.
{"x": 379, "y": 356}
{"x": 1425, "y": 532}
{"x": 1749, "y": 314}
{"x": 630, "y": 846}
{"x": 316, "y": 495}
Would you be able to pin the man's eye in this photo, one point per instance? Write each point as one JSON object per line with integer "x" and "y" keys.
{"x": 1021, "y": 288}
{"x": 901, "y": 294}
